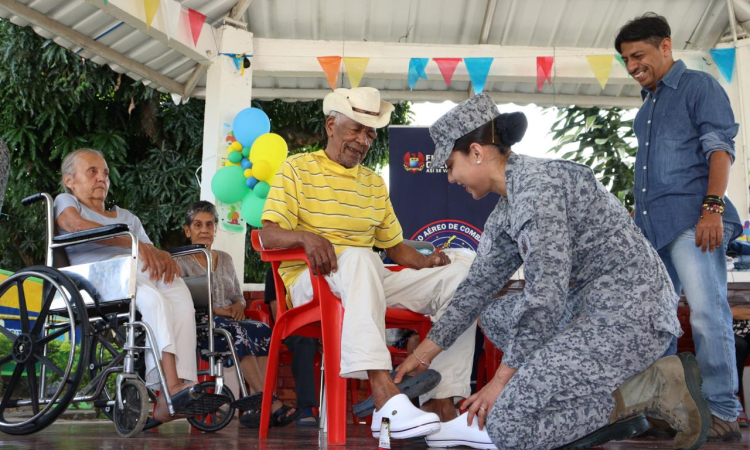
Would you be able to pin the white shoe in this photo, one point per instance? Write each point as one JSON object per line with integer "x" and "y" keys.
{"x": 457, "y": 433}
{"x": 406, "y": 420}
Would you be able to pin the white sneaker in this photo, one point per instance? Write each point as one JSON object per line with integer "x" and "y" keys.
{"x": 407, "y": 421}
{"x": 457, "y": 433}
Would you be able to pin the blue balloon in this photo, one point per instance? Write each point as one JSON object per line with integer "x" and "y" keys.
{"x": 246, "y": 164}
{"x": 249, "y": 124}
{"x": 251, "y": 182}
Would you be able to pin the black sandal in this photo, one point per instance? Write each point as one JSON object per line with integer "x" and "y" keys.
{"x": 279, "y": 418}
{"x": 252, "y": 405}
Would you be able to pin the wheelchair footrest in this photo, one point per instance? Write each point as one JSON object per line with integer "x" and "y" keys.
{"x": 194, "y": 401}
{"x": 250, "y": 403}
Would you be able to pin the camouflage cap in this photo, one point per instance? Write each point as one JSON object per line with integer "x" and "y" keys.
{"x": 467, "y": 116}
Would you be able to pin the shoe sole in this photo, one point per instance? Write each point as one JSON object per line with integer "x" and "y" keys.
{"x": 694, "y": 382}
{"x": 416, "y": 431}
{"x": 617, "y": 431}
{"x": 411, "y": 387}
{"x": 460, "y": 443}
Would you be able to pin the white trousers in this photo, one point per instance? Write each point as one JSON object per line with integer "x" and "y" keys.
{"x": 168, "y": 310}
{"x": 366, "y": 288}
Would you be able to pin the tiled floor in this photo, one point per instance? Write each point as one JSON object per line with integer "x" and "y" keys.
{"x": 174, "y": 436}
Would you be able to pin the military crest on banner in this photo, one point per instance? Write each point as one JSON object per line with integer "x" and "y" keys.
{"x": 414, "y": 162}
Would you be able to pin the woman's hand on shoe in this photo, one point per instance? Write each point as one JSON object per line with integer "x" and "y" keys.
{"x": 481, "y": 403}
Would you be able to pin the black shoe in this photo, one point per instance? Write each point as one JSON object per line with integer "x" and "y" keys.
{"x": 410, "y": 386}
{"x": 618, "y": 431}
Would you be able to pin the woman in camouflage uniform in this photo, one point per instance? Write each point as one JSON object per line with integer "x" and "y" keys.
{"x": 597, "y": 309}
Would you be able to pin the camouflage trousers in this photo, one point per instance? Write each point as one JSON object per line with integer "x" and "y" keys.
{"x": 564, "y": 389}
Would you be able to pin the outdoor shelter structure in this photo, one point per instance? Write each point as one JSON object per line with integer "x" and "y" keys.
{"x": 283, "y": 39}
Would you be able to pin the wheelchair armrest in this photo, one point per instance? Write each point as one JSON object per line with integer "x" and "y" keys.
{"x": 186, "y": 249}
{"x": 277, "y": 254}
{"x": 98, "y": 232}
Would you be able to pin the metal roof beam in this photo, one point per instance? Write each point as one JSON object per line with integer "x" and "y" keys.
{"x": 239, "y": 9}
{"x": 36, "y": 18}
{"x": 168, "y": 27}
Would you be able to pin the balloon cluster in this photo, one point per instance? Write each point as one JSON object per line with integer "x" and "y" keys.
{"x": 253, "y": 158}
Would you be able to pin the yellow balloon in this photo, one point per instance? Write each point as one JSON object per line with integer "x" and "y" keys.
{"x": 248, "y": 173}
{"x": 230, "y": 163}
{"x": 236, "y": 146}
{"x": 263, "y": 171}
{"x": 270, "y": 147}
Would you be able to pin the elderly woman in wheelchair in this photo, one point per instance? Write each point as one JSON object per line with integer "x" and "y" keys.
{"x": 251, "y": 338}
{"x": 163, "y": 298}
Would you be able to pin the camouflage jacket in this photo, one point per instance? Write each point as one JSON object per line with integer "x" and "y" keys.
{"x": 584, "y": 259}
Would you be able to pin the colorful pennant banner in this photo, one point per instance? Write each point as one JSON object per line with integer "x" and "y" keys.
{"x": 601, "y": 65}
{"x": 543, "y": 70}
{"x": 478, "y": 69}
{"x": 724, "y": 59}
{"x": 447, "y": 67}
{"x": 196, "y": 24}
{"x": 416, "y": 70}
{"x": 151, "y": 7}
{"x": 618, "y": 57}
{"x": 355, "y": 69}
{"x": 331, "y": 66}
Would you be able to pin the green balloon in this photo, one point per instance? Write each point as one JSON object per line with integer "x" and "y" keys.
{"x": 261, "y": 189}
{"x": 235, "y": 157}
{"x": 228, "y": 184}
{"x": 246, "y": 152}
{"x": 252, "y": 209}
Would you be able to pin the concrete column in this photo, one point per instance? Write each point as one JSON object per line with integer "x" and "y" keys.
{"x": 739, "y": 95}
{"x": 227, "y": 93}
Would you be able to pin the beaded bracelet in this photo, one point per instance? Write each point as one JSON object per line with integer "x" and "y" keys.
{"x": 713, "y": 200}
{"x": 713, "y": 208}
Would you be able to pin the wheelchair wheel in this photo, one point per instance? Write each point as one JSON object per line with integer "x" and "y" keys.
{"x": 106, "y": 352}
{"x": 38, "y": 359}
{"x": 131, "y": 419}
{"x": 218, "y": 419}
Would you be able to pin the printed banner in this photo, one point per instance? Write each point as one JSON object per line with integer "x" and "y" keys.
{"x": 427, "y": 205}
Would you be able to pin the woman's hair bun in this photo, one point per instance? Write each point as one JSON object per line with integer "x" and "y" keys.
{"x": 511, "y": 127}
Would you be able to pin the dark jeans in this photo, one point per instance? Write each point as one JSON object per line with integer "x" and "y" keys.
{"x": 742, "y": 348}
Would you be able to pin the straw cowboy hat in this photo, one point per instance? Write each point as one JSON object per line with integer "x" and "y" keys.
{"x": 362, "y": 105}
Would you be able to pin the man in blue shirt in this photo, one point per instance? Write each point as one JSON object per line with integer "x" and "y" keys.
{"x": 685, "y": 132}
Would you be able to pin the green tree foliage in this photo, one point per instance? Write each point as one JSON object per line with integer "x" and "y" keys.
{"x": 605, "y": 142}
{"x": 52, "y": 102}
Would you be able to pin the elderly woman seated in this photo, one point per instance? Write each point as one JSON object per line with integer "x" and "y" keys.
{"x": 250, "y": 338}
{"x": 162, "y": 297}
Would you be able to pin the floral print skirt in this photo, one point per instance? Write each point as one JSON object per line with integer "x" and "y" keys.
{"x": 249, "y": 337}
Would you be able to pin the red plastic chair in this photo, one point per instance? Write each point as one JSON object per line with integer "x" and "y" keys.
{"x": 321, "y": 318}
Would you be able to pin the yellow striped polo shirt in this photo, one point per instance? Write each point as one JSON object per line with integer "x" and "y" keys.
{"x": 349, "y": 207}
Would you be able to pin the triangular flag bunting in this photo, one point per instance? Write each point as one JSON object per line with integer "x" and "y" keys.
{"x": 478, "y": 69}
{"x": 724, "y": 59}
{"x": 601, "y": 65}
{"x": 447, "y": 67}
{"x": 355, "y": 69}
{"x": 543, "y": 70}
{"x": 196, "y": 24}
{"x": 618, "y": 57}
{"x": 416, "y": 70}
{"x": 331, "y": 66}
{"x": 151, "y": 7}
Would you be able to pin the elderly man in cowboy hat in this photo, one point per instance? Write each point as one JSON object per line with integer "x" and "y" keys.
{"x": 338, "y": 210}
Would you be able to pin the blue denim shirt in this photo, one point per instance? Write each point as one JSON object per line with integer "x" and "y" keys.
{"x": 678, "y": 128}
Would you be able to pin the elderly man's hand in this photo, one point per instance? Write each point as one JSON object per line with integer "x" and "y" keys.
{"x": 436, "y": 259}
{"x": 320, "y": 252}
{"x": 148, "y": 260}
{"x": 170, "y": 267}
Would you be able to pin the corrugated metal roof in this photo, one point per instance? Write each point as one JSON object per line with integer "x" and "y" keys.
{"x": 696, "y": 24}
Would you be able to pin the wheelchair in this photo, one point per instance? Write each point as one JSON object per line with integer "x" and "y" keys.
{"x": 94, "y": 306}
